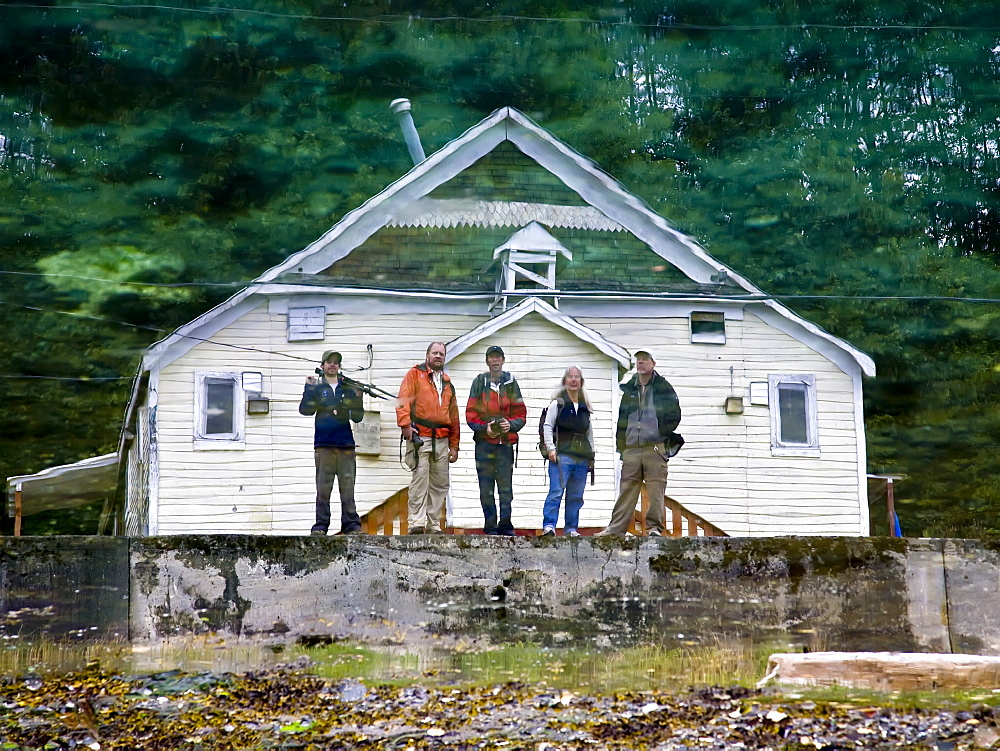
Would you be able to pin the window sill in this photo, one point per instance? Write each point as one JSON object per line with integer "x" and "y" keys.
{"x": 219, "y": 444}
{"x": 792, "y": 451}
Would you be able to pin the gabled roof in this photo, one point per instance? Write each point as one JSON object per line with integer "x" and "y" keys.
{"x": 396, "y": 205}
{"x": 595, "y": 187}
{"x": 534, "y": 305}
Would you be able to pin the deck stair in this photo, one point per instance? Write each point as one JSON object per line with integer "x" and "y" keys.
{"x": 390, "y": 518}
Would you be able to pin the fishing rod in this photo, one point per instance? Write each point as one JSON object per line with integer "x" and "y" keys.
{"x": 367, "y": 388}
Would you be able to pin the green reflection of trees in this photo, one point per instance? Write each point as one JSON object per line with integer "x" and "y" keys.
{"x": 832, "y": 149}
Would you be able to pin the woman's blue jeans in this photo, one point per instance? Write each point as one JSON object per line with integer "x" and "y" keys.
{"x": 569, "y": 476}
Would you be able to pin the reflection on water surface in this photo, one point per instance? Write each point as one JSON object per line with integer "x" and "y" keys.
{"x": 723, "y": 662}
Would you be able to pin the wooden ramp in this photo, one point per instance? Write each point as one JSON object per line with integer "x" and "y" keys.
{"x": 390, "y": 518}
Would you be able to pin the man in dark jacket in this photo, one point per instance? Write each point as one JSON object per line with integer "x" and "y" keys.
{"x": 495, "y": 412}
{"x": 335, "y": 406}
{"x": 646, "y": 440}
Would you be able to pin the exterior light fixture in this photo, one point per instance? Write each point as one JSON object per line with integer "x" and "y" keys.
{"x": 253, "y": 387}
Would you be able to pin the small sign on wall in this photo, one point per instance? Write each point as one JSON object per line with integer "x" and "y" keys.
{"x": 368, "y": 434}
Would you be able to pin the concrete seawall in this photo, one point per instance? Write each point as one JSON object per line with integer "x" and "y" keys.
{"x": 851, "y": 594}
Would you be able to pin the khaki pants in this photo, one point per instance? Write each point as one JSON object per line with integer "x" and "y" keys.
{"x": 429, "y": 485}
{"x": 641, "y": 465}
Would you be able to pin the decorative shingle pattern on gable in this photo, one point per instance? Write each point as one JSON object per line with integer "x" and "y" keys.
{"x": 506, "y": 174}
{"x": 472, "y": 213}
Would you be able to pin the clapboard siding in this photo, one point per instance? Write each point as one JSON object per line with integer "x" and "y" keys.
{"x": 726, "y": 472}
{"x": 274, "y": 469}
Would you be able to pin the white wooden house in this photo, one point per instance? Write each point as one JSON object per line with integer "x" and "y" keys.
{"x": 504, "y": 236}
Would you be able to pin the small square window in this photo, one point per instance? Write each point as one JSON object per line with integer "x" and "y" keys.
{"x": 708, "y": 328}
{"x": 794, "y": 415}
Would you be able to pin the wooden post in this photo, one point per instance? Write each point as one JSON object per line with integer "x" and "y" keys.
{"x": 643, "y": 508}
{"x": 17, "y": 510}
{"x": 890, "y": 507}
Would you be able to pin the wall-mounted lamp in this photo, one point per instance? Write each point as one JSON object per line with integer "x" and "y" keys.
{"x": 253, "y": 386}
{"x": 258, "y": 404}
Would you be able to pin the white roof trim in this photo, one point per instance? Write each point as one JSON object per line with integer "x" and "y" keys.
{"x": 191, "y": 334}
{"x": 534, "y": 305}
{"x": 834, "y": 349}
{"x": 379, "y": 210}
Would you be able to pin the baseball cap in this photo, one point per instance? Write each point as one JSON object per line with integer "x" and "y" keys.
{"x": 494, "y": 350}
{"x": 332, "y": 354}
{"x": 645, "y": 353}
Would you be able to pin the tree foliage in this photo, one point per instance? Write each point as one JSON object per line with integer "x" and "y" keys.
{"x": 842, "y": 155}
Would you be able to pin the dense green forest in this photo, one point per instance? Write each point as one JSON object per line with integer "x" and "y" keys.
{"x": 842, "y": 155}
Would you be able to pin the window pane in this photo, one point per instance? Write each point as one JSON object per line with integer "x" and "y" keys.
{"x": 708, "y": 328}
{"x": 218, "y": 406}
{"x": 793, "y": 420}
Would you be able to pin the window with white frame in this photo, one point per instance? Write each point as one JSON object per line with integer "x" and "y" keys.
{"x": 218, "y": 410}
{"x": 793, "y": 415}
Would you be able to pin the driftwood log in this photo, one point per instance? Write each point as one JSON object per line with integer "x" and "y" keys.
{"x": 884, "y": 671}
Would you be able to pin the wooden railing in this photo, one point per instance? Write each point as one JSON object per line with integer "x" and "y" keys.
{"x": 680, "y": 522}
{"x": 391, "y": 518}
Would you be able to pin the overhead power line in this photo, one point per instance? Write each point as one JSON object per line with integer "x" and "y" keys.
{"x": 501, "y": 18}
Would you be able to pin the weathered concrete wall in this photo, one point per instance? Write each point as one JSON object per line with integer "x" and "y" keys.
{"x": 64, "y": 587}
{"x": 855, "y": 594}
{"x": 848, "y": 594}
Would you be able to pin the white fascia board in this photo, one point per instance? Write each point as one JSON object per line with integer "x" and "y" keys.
{"x": 864, "y": 521}
{"x": 153, "y": 447}
{"x": 190, "y": 335}
{"x": 534, "y": 305}
{"x": 358, "y": 225}
{"x": 852, "y": 361}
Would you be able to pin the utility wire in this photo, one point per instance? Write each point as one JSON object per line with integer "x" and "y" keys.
{"x": 737, "y": 297}
{"x": 124, "y": 283}
{"x": 18, "y": 376}
{"x": 501, "y": 18}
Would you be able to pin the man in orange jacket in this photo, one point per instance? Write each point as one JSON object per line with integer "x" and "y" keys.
{"x": 427, "y": 415}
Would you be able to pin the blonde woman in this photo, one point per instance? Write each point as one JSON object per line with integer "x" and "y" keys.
{"x": 569, "y": 441}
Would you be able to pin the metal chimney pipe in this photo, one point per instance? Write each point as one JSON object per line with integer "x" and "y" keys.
{"x": 401, "y": 109}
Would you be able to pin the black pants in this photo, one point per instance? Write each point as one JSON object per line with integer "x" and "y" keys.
{"x": 495, "y": 467}
{"x": 340, "y": 464}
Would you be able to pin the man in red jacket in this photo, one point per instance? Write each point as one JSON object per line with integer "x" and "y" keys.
{"x": 495, "y": 412}
{"x": 427, "y": 415}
